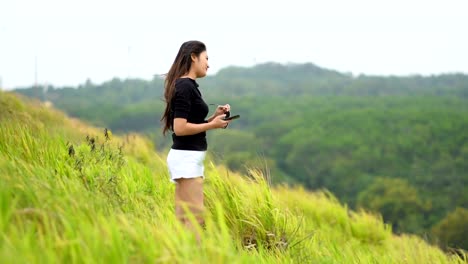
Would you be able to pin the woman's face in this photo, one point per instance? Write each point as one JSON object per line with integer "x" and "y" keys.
{"x": 200, "y": 64}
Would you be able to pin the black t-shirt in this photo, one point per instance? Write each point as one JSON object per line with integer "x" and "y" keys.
{"x": 188, "y": 103}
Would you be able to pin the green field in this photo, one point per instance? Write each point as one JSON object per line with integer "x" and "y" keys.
{"x": 65, "y": 199}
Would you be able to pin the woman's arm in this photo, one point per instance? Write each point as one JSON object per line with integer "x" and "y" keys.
{"x": 184, "y": 128}
{"x": 211, "y": 118}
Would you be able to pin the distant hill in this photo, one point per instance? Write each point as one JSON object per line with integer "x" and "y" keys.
{"x": 273, "y": 79}
{"x": 268, "y": 79}
{"x": 112, "y": 101}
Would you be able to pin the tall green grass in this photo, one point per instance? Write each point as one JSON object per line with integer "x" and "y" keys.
{"x": 69, "y": 194}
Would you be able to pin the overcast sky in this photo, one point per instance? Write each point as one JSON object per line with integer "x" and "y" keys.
{"x": 101, "y": 39}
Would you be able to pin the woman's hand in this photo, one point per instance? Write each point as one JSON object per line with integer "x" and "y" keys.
{"x": 222, "y": 109}
{"x": 218, "y": 122}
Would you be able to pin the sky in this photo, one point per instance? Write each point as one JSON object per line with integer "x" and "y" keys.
{"x": 64, "y": 43}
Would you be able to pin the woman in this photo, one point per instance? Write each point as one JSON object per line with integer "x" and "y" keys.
{"x": 185, "y": 115}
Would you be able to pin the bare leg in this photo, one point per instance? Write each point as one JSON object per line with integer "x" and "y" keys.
{"x": 189, "y": 199}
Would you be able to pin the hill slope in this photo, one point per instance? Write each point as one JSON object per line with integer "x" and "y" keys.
{"x": 70, "y": 194}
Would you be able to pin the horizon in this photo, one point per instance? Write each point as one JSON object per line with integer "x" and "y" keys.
{"x": 242, "y": 67}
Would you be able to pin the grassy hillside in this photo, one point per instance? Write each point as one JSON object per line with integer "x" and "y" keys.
{"x": 69, "y": 194}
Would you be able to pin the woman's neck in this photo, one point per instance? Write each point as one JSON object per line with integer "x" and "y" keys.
{"x": 190, "y": 75}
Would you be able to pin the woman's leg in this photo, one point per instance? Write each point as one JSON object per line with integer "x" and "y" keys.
{"x": 189, "y": 199}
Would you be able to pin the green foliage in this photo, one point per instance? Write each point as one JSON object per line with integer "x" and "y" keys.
{"x": 90, "y": 158}
{"x": 241, "y": 151}
{"x": 453, "y": 229}
{"x": 397, "y": 201}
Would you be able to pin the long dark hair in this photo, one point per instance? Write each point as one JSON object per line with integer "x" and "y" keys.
{"x": 181, "y": 66}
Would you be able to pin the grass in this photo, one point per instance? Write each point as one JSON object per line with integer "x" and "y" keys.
{"x": 69, "y": 194}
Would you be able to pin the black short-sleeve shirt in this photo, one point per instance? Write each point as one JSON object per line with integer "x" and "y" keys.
{"x": 188, "y": 103}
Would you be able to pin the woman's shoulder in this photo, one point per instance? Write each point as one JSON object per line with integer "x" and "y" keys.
{"x": 185, "y": 86}
{"x": 185, "y": 82}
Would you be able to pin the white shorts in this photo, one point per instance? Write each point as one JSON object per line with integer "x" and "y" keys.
{"x": 185, "y": 164}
